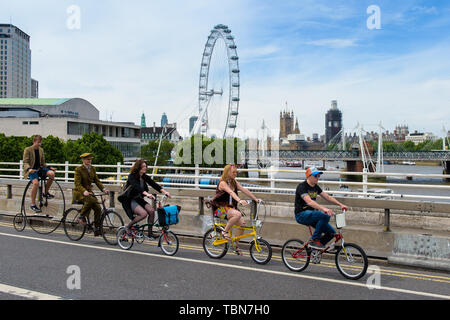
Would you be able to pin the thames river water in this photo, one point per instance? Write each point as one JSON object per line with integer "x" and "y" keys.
{"x": 388, "y": 168}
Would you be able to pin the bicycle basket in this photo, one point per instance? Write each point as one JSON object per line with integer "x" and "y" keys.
{"x": 340, "y": 220}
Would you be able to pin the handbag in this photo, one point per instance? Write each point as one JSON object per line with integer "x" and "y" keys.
{"x": 124, "y": 194}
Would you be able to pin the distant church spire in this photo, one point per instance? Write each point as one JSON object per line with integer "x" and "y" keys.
{"x": 143, "y": 125}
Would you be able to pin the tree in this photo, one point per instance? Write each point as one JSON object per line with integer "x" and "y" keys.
{"x": 103, "y": 151}
{"x": 54, "y": 149}
{"x": 208, "y": 152}
{"x": 149, "y": 151}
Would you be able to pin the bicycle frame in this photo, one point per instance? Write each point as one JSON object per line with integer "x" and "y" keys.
{"x": 337, "y": 237}
{"x": 219, "y": 225}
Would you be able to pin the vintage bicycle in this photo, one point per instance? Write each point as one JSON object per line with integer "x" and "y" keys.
{"x": 167, "y": 241}
{"x": 216, "y": 246}
{"x": 111, "y": 221}
{"x": 350, "y": 259}
{"x": 51, "y": 205}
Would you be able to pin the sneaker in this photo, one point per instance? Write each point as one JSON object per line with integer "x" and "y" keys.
{"x": 315, "y": 244}
{"x": 97, "y": 232}
{"x": 48, "y": 196}
{"x": 35, "y": 208}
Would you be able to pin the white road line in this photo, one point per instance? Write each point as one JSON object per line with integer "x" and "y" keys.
{"x": 288, "y": 274}
{"x": 25, "y": 293}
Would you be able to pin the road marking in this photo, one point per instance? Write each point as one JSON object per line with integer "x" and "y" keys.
{"x": 323, "y": 264}
{"x": 295, "y": 275}
{"x": 25, "y": 293}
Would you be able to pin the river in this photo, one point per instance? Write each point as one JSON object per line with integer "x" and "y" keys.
{"x": 388, "y": 168}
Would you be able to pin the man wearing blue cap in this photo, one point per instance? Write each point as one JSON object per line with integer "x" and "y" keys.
{"x": 310, "y": 213}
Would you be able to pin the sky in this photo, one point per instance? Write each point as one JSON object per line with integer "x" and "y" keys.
{"x": 388, "y": 66}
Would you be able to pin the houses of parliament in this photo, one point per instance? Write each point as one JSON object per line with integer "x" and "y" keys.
{"x": 291, "y": 138}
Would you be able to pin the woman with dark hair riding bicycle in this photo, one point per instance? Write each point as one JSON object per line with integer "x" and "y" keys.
{"x": 134, "y": 203}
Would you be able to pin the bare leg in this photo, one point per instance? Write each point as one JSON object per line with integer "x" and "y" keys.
{"x": 235, "y": 218}
{"x": 51, "y": 177}
{"x": 34, "y": 191}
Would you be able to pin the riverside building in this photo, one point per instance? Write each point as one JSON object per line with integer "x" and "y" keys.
{"x": 67, "y": 119}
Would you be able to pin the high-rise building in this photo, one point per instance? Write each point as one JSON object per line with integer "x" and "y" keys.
{"x": 164, "y": 120}
{"x": 34, "y": 88}
{"x": 15, "y": 62}
{"x": 333, "y": 122}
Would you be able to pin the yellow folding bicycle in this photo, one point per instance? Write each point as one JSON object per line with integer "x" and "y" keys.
{"x": 216, "y": 246}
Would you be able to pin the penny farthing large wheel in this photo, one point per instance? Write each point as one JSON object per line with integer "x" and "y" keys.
{"x": 218, "y": 94}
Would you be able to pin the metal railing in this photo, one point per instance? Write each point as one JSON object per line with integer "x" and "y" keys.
{"x": 195, "y": 175}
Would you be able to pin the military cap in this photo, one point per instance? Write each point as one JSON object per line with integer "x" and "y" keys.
{"x": 86, "y": 155}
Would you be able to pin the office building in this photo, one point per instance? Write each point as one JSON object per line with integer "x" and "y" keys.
{"x": 15, "y": 62}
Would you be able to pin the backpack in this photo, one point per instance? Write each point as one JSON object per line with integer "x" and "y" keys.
{"x": 168, "y": 215}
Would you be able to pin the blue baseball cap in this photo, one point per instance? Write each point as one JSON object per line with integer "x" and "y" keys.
{"x": 312, "y": 171}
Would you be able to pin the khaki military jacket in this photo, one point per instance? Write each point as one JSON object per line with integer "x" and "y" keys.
{"x": 29, "y": 159}
{"x": 83, "y": 181}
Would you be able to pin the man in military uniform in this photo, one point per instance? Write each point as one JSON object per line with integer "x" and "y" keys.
{"x": 85, "y": 175}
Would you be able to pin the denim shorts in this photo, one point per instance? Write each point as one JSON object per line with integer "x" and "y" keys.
{"x": 38, "y": 173}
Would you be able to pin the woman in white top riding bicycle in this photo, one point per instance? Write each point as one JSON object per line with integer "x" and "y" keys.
{"x": 227, "y": 199}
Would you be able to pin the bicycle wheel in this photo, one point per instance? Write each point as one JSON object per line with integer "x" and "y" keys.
{"x": 214, "y": 251}
{"x": 123, "y": 240}
{"x": 351, "y": 261}
{"x": 295, "y": 255}
{"x": 168, "y": 241}
{"x": 111, "y": 222}
{"x": 19, "y": 222}
{"x": 52, "y": 209}
{"x": 73, "y": 230}
{"x": 264, "y": 254}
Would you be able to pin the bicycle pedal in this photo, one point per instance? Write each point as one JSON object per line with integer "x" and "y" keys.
{"x": 316, "y": 256}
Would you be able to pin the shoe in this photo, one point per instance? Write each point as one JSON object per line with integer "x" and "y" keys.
{"x": 238, "y": 251}
{"x": 82, "y": 221}
{"x": 48, "y": 195}
{"x": 315, "y": 244}
{"x": 129, "y": 232}
{"x": 97, "y": 232}
{"x": 226, "y": 235}
{"x": 35, "y": 208}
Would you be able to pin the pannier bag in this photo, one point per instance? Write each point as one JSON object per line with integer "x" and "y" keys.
{"x": 168, "y": 215}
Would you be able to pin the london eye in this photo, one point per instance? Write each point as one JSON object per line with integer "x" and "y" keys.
{"x": 218, "y": 90}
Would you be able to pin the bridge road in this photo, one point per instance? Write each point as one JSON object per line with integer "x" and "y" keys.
{"x": 35, "y": 266}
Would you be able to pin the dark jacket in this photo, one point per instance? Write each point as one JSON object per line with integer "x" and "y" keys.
{"x": 83, "y": 181}
{"x": 135, "y": 192}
